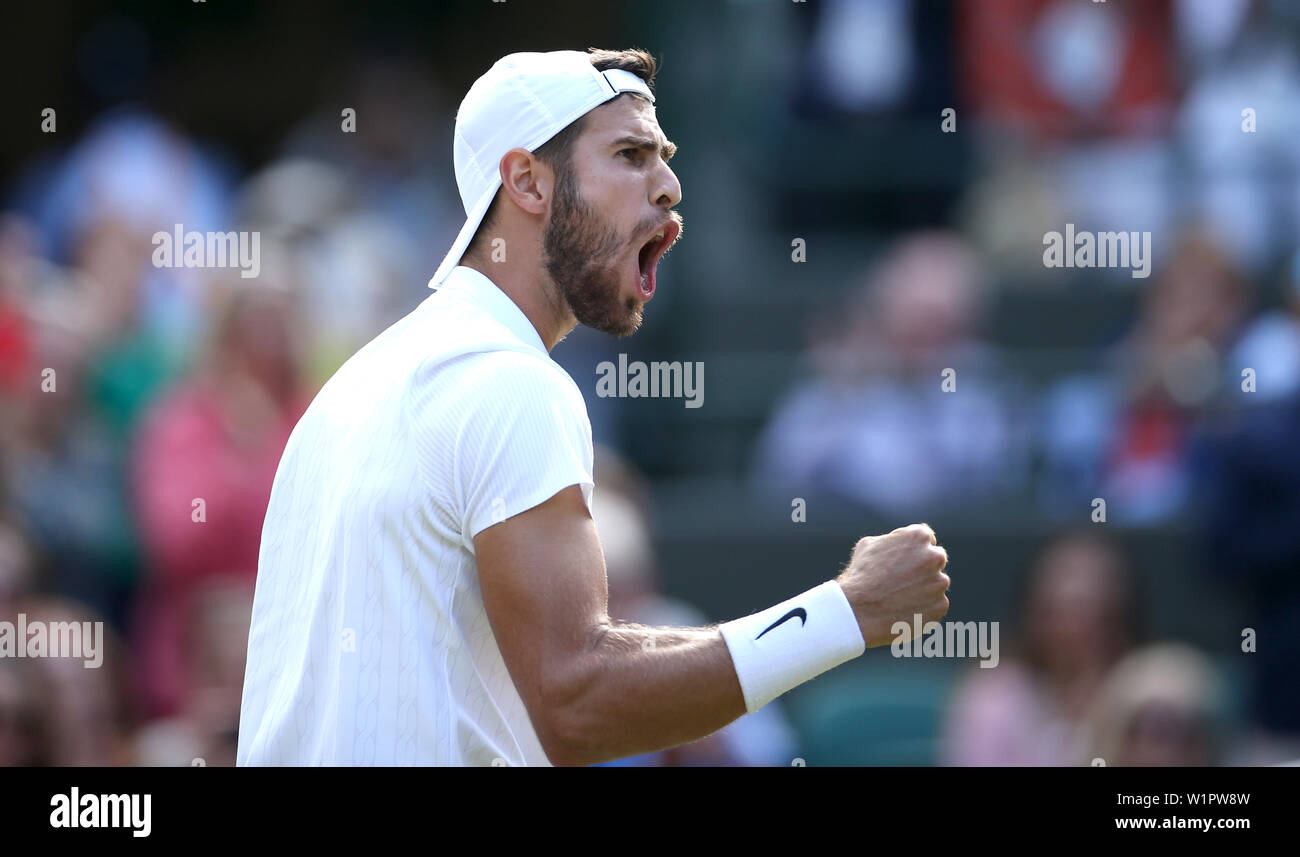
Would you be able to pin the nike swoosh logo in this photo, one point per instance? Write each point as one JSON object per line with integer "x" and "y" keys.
{"x": 798, "y": 611}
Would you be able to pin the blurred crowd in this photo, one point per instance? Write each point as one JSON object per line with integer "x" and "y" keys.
{"x": 1172, "y": 427}
{"x": 143, "y": 409}
{"x": 1187, "y": 410}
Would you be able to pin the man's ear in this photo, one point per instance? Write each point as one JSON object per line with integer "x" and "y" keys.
{"x": 526, "y": 180}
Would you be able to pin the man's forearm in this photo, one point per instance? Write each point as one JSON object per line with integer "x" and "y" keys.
{"x": 639, "y": 689}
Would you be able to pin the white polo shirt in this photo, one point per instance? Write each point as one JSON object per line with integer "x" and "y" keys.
{"x": 369, "y": 642}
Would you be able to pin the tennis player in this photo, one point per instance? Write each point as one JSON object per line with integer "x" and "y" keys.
{"x": 431, "y": 588}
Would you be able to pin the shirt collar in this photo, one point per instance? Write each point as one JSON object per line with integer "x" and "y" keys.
{"x": 475, "y": 287}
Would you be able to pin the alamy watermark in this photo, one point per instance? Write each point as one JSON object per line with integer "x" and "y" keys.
{"x": 130, "y": 811}
{"x": 181, "y": 249}
{"x": 39, "y": 639}
{"x": 1083, "y": 249}
{"x": 946, "y": 640}
{"x": 658, "y": 379}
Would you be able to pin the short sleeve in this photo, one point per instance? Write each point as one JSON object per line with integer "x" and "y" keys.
{"x": 521, "y": 435}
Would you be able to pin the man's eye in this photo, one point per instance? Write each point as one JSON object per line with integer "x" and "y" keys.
{"x": 631, "y": 154}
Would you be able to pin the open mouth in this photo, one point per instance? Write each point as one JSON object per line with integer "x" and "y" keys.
{"x": 651, "y": 252}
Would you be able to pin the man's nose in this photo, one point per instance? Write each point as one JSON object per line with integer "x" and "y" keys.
{"x": 667, "y": 189}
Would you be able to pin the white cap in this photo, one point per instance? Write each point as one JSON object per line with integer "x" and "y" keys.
{"x": 521, "y": 102}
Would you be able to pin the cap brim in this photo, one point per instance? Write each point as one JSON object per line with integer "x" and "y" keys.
{"x": 458, "y": 247}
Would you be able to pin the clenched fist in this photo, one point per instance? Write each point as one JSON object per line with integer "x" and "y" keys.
{"x": 892, "y": 577}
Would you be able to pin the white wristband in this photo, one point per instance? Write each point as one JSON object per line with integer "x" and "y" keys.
{"x": 784, "y": 646}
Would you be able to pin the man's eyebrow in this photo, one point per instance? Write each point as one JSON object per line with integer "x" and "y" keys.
{"x": 647, "y": 144}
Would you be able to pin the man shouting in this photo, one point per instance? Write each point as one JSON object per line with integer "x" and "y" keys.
{"x": 431, "y": 589}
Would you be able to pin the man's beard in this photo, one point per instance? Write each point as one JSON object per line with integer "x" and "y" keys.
{"x": 579, "y": 256}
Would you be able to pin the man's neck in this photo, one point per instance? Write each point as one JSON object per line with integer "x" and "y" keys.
{"x": 534, "y": 298}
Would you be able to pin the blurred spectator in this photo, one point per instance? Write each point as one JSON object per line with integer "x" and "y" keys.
{"x": 1239, "y": 122}
{"x": 350, "y": 268}
{"x": 875, "y": 426}
{"x": 1160, "y": 706}
{"x": 205, "y": 459}
{"x": 135, "y": 170}
{"x": 16, "y": 568}
{"x": 1060, "y": 69}
{"x": 65, "y": 465}
{"x": 25, "y": 718}
{"x": 1077, "y": 619}
{"x": 1270, "y": 346}
{"x": 396, "y": 166}
{"x": 874, "y": 58}
{"x": 208, "y": 728}
{"x": 1123, "y": 434}
{"x": 1248, "y": 493}
{"x": 1089, "y": 90}
{"x": 17, "y": 258}
{"x": 129, "y": 361}
{"x": 26, "y": 721}
{"x": 91, "y": 713}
